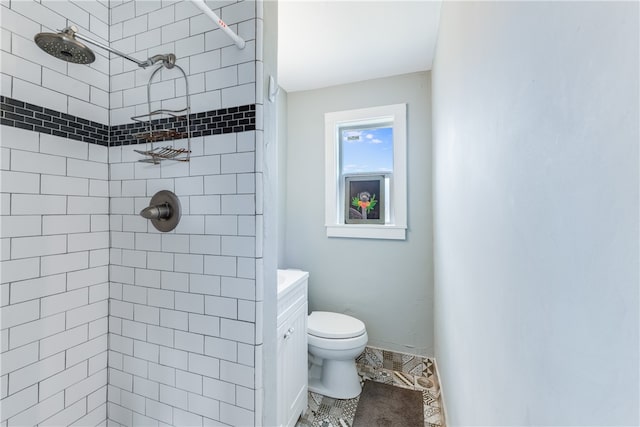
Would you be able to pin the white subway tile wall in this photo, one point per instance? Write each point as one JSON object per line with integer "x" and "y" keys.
{"x": 172, "y": 322}
{"x": 209, "y": 57}
{"x": 39, "y": 79}
{"x": 54, "y": 281}
{"x": 182, "y": 315}
{"x": 79, "y": 264}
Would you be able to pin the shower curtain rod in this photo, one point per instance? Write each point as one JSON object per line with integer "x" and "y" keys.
{"x": 203, "y": 6}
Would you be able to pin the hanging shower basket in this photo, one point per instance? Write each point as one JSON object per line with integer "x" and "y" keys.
{"x": 165, "y": 125}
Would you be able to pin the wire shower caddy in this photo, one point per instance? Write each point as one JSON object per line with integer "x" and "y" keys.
{"x": 156, "y": 154}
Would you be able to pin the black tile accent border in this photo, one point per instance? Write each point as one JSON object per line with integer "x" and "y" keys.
{"x": 39, "y": 119}
{"x": 214, "y": 122}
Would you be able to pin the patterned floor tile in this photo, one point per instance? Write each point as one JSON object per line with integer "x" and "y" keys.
{"x": 414, "y": 372}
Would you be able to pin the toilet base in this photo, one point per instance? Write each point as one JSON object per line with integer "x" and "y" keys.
{"x": 335, "y": 378}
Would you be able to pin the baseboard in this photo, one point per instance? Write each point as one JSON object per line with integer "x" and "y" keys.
{"x": 406, "y": 363}
{"x": 445, "y": 416}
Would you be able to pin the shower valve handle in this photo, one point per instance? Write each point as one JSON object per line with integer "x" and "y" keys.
{"x": 160, "y": 212}
{"x": 163, "y": 211}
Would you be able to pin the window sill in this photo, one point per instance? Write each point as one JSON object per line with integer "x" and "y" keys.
{"x": 362, "y": 231}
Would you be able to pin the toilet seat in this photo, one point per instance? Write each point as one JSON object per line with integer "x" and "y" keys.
{"x": 324, "y": 324}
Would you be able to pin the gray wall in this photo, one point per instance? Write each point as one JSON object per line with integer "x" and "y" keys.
{"x": 387, "y": 284}
{"x": 282, "y": 129}
{"x": 536, "y": 212}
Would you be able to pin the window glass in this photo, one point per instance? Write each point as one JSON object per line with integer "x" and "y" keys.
{"x": 366, "y": 150}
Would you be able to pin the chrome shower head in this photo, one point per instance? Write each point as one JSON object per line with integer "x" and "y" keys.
{"x": 63, "y": 45}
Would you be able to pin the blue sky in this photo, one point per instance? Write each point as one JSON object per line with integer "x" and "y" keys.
{"x": 367, "y": 150}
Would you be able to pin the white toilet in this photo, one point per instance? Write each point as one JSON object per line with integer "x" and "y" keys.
{"x": 335, "y": 340}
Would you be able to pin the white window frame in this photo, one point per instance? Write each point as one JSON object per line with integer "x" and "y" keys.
{"x": 396, "y": 225}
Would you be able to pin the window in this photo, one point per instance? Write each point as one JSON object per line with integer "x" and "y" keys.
{"x": 365, "y": 177}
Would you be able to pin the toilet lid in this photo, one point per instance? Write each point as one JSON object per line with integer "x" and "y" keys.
{"x": 325, "y": 324}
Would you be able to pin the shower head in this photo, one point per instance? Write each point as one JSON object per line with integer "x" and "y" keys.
{"x": 63, "y": 45}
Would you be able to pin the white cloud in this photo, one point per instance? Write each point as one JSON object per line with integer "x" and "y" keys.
{"x": 353, "y": 168}
{"x": 352, "y": 136}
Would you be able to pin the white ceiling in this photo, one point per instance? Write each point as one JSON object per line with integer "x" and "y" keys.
{"x": 327, "y": 43}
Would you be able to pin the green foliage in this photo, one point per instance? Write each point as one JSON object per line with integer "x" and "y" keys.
{"x": 367, "y": 205}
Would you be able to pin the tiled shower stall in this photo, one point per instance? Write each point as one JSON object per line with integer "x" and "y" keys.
{"x": 105, "y": 320}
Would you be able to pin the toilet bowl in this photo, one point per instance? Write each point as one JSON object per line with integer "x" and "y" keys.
{"x": 335, "y": 340}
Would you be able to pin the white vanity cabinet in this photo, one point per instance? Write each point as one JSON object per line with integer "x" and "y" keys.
{"x": 292, "y": 345}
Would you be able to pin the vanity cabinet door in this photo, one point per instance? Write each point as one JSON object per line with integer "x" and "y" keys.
{"x": 292, "y": 367}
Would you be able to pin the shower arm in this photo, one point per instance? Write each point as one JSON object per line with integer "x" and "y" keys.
{"x": 169, "y": 59}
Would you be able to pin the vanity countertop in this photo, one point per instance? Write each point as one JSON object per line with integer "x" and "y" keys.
{"x": 289, "y": 279}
